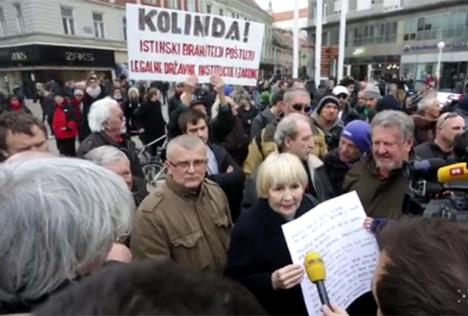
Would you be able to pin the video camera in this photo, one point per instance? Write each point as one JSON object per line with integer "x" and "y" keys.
{"x": 438, "y": 188}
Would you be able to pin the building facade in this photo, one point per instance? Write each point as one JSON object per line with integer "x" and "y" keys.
{"x": 67, "y": 39}
{"x": 388, "y": 38}
{"x": 284, "y": 27}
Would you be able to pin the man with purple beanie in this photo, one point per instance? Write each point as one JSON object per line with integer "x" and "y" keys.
{"x": 355, "y": 144}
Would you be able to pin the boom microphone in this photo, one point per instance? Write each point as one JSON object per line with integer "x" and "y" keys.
{"x": 316, "y": 273}
{"x": 453, "y": 173}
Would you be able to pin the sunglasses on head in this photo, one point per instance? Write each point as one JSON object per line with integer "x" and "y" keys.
{"x": 301, "y": 107}
{"x": 450, "y": 115}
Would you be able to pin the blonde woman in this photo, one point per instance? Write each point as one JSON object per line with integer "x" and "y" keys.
{"x": 258, "y": 256}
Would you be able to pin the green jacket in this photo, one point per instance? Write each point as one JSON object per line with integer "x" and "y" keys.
{"x": 381, "y": 198}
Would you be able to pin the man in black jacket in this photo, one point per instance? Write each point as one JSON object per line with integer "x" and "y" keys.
{"x": 222, "y": 168}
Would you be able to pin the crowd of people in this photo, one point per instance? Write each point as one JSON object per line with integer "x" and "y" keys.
{"x": 240, "y": 162}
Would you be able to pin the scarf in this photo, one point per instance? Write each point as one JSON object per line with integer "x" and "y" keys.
{"x": 15, "y": 105}
{"x": 93, "y": 92}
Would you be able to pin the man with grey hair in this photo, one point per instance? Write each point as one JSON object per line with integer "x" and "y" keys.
{"x": 116, "y": 161}
{"x": 294, "y": 135}
{"x": 379, "y": 180}
{"x": 449, "y": 125}
{"x": 187, "y": 218}
{"x": 107, "y": 124}
{"x": 60, "y": 217}
{"x": 296, "y": 100}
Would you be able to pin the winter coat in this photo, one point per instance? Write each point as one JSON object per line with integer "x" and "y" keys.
{"x": 381, "y": 198}
{"x": 191, "y": 228}
{"x": 65, "y": 122}
{"x": 336, "y": 170}
{"x": 247, "y": 118}
{"x": 425, "y": 128}
{"x": 130, "y": 107}
{"x": 149, "y": 117}
{"x": 257, "y": 249}
{"x": 231, "y": 182}
{"x": 261, "y": 121}
{"x": 227, "y": 130}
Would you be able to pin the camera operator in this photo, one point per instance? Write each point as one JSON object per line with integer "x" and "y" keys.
{"x": 448, "y": 126}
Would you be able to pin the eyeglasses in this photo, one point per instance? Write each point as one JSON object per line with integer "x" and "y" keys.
{"x": 342, "y": 96}
{"x": 301, "y": 107}
{"x": 185, "y": 165}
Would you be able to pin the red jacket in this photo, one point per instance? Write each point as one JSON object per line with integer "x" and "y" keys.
{"x": 65, "y": 124}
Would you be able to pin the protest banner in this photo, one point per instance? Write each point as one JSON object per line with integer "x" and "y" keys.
{"x": 170, "y": 45}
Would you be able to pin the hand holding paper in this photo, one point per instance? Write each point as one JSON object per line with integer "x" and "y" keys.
{"x": 287, "y": 277}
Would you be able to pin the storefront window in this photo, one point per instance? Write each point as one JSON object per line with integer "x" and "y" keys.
{"x": 438, "y": 26}
{"x": 424, "y": 70}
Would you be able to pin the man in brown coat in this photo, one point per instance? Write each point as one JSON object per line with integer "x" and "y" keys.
{"x": 187, "y": 219}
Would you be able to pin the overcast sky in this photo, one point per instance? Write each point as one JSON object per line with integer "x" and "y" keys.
{"x": 281, "y": 5}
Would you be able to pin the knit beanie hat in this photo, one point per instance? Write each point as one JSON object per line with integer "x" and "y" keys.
{"x": 359, "y": 132}
{"x": 265, "y": 98}
{"x": 325, "y": 100}
{"x": 372, "y": 92}
{"x": 228, "y": 89}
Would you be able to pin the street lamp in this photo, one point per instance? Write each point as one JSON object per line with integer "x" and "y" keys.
{"x": 440, "y": 46}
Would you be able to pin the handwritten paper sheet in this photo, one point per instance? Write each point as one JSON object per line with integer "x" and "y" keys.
{"x": 335, "y": 230}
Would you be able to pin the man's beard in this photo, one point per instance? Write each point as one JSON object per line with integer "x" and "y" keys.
{"x": 387, "y": 166}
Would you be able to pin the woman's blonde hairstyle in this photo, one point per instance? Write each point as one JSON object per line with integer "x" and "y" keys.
{"x": 279, "y": 169}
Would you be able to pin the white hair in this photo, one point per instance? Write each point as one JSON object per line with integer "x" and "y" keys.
{"x": 57, "y": 216}
{"x": 105, "y": 155}
{"x": 99, "y": 113}
{"x": 427, "y": 102}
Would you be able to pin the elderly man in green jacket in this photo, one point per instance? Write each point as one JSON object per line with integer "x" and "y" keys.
{"x": 380, "y": 180}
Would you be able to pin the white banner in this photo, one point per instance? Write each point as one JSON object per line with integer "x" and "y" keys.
{"x": 171, "y": 45}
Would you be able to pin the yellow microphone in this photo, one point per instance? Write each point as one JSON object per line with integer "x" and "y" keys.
{"x": 453, "y": 173}
{"x": 316, "y": 273}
